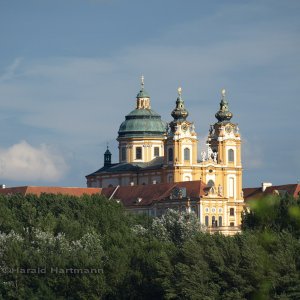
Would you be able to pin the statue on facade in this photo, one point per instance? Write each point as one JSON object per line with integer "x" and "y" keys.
{"x": 220, "y": 190}
{"x": 203, "y": 155}
{"x": 209, "y": 153}
{"x": 215, "y": 155}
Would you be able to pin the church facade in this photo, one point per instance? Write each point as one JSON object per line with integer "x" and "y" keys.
{"x": 154, "y": 152}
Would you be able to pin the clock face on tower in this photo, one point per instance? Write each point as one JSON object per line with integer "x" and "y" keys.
{"x": 228, "y": 129}
{"x": 184, "y": 127}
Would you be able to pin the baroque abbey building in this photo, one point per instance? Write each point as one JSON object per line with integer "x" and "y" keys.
{"x": 157, "y": 156}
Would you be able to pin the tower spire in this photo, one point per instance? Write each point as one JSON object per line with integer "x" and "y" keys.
{"x": 179, "y": 113}
{"x": 223, "y": 115}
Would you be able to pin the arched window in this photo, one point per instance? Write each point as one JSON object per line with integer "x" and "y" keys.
{"x": 210, "y": 183}
{"x": 220, "y": 221}
{"x": 194, "y": 210}
{"x": 213, "y": 221}
{"x": 230, "y": 155}
{"x": 206, "y": 220}
{"x": 187, "y": 178}
{"x": 170, "y": 154}
{"x": 186, "y": 152}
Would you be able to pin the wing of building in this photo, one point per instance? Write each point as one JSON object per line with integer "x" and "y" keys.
{"x": 153, "y": 152}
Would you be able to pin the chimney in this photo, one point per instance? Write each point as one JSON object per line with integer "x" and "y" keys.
{"x": 265, "y": 185}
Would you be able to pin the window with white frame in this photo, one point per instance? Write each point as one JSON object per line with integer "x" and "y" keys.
{"x": 186, "y": 153}
{"x": 138, "y": 153}
{"x": 230, "y": 155}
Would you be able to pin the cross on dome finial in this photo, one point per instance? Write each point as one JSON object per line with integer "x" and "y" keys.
{"x": 223, "y": 115}
{"x": 223, "y": 92}
{"x": 179, "y": 90}
{"x": 142, "y": 81}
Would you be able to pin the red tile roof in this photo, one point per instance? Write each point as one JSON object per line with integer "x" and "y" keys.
{"x": 291, "y": 189}
{"x": 257, "y": 193}
{"x": 252, "y": 193}
{"x": 38, "y": 190}
{"x": 147, "y": 194}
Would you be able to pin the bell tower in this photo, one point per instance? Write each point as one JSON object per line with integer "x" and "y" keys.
{"x": 107, "y": 158}
{"x": 181, "y": 144}
{"x": 224, "y": 143}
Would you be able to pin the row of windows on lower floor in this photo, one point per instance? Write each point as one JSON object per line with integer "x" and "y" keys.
{"x": 216, "y": 222}
{"x": 161, "y": 211}
{"x": 213, "y": 222}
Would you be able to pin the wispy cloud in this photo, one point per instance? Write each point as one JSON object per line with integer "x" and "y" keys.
{"x": 9, "y": 72}
{"x": 25, "y": 162}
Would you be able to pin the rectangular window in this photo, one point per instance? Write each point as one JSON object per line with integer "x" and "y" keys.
{"x": 170, "y": 154}
{"x": 206, "y": 220}
{"x": 220, "y": 221}
{"x": 231, "y": 224}
{"x": 138, "y": 153}
{"x": 186, "y": 152}
{"x": 230, "y": 155}
{"x": 231, "y": 187}
{"x": 123, "y": 154}
{"x": 156, "y": 151}
{"x": 231, "y": 211}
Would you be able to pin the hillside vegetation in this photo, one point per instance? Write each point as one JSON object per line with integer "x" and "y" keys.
{"x": 64, "y": 247}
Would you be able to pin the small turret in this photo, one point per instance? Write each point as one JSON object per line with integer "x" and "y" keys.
{"x": 107, "y": 157}
{"x": 143, "y": 98}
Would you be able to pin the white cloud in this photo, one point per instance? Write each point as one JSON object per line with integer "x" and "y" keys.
{"x": 25, "y": 162}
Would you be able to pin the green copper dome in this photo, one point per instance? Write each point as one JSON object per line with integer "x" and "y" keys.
{"x": 142, "y": 123}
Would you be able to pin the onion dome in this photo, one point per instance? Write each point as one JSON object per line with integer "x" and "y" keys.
{"x": 224, "y": 115}
{"x": 142, "y": 121}
{"x": 179, "y": 113}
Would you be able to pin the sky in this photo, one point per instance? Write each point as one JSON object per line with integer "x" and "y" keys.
{"x": 70, "y": 71}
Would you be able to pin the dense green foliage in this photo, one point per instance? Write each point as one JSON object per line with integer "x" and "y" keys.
{"x": 45, "y": 240}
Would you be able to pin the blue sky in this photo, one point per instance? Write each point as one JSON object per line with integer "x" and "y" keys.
{"x": 69, "y": 73}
